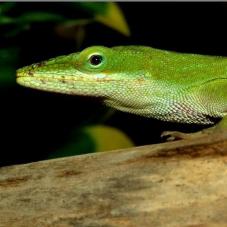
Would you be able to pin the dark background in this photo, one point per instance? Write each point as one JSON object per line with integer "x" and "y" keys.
{"x": 34, "y": 123}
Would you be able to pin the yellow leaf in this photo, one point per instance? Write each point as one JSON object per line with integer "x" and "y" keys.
{"x": 108, "y": 138}
{"x": 114, "y": 18}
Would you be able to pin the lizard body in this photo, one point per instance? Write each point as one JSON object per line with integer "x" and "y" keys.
{"x": 170, "y": 86}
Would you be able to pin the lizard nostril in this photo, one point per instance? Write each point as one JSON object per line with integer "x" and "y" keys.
{"x": 30, "y": 73}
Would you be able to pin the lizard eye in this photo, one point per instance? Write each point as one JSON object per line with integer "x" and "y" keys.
{"x": 95, "y": 59}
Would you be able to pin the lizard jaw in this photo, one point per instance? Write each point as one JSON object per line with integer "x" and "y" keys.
{"x": 68, "y": 85}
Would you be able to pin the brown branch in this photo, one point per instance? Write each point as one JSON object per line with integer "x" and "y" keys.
{"x": 182, "y": 183}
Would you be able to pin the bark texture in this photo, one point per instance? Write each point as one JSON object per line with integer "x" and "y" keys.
{"x": 181, "y": 183}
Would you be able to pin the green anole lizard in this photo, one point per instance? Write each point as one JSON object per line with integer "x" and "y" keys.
{"x": 170, "y": 86}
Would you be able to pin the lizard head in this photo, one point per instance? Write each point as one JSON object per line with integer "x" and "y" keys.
{"x": 110, "y": 73}
{"x": 94, "y": 71}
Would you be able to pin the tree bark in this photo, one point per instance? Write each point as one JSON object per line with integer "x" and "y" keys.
{"x": 180, "y": 183}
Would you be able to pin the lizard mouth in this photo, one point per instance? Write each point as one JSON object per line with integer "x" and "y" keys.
{"x": 51, "y": 85}
{"x": 75, "y": 85}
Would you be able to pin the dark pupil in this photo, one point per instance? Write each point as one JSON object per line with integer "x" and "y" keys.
{"x": 96, "y": 59}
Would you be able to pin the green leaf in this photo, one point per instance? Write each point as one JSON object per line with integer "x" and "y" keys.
{"x": 107, "y": 13}
{"x": 8, "y": 58}
{"x": 6, "y": 20}
{"x": 114, "y": 18}
{"x": 23, "y": 21}
{"x": 93, "y": 138}
{"x": 93, "y": 7}
{"x": 108, "y": 138}
{"x": 32, "y": 17}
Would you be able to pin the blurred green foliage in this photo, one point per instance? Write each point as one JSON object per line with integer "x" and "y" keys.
{"x": 8, "y": 59}
{"x": 93, "y": 138}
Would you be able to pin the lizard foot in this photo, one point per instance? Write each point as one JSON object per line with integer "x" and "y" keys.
{"x": 175, "y": 135}
{"x": 220, "y": 128}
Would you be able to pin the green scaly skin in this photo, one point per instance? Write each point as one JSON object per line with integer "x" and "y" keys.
{"x": 170, "y": 86}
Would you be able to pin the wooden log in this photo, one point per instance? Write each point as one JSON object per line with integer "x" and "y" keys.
{"x": 181, "y": 183}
